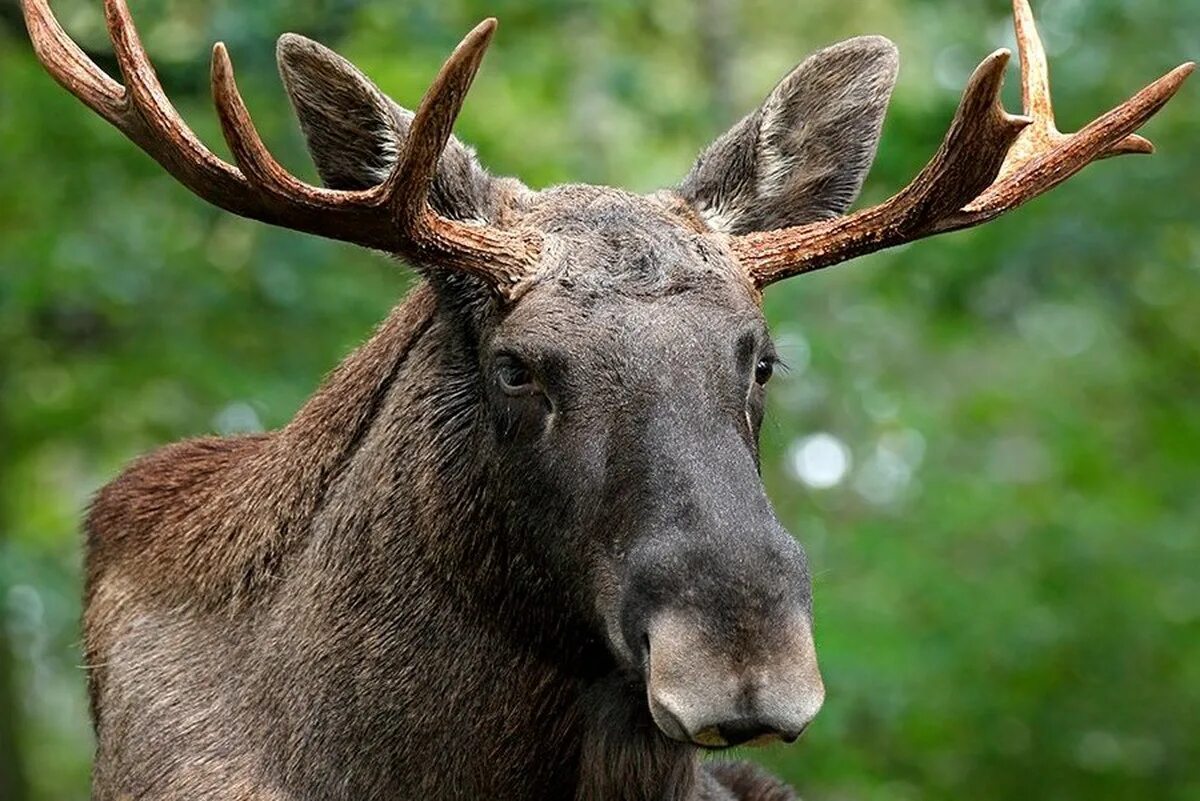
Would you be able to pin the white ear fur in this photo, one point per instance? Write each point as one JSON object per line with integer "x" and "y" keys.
{"x": 804, "y": 153}
{"x": 348, "y": 122}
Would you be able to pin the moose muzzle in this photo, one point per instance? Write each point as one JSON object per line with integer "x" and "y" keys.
{"x": 703, "y": 691}
{"x": 715, "y": 598}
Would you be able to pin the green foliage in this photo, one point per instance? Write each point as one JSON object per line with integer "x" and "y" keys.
{"x": 1007, "y": 566}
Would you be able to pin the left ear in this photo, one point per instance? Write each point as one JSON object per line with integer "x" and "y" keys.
{"x": 803, "y": 155}
{"x": 355, "y": 133}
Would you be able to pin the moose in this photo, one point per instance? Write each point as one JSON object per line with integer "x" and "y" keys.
{"x": 516, "y": 546}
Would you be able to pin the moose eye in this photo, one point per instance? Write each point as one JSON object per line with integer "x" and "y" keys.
{"x": 514, "y": 376}
{"x": 763, "y": 371}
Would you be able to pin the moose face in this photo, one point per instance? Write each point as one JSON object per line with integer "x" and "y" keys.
{"x": 625, "y": 382}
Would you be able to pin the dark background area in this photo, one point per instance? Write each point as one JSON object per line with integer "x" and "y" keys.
{"x": 989, "y": 442}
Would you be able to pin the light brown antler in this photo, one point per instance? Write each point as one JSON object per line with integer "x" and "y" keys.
{"x": 394, "y": 216}
{"x": 990, "y": 162}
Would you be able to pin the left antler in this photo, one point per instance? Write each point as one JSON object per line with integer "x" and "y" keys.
{"x": 990, "y": 162}
{"x": 394, "y": 216}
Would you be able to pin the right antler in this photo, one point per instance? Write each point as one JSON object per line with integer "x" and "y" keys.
{"x": 394, "y": 216}
{"x": 990, "y": 162}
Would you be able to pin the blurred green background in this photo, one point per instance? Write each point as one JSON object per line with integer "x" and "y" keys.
{"x": 989, "y": 442}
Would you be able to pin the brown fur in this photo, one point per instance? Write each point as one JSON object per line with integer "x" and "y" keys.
{"x": 204, "y": 521}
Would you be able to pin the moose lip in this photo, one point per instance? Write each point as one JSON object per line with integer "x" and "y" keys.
{"x": 710, "y": 738}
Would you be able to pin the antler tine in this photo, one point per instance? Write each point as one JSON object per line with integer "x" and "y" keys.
{"x": 409, "y": 183}
{"x": 1035, "y": 71}
{"x": 971, "y": 154}
{"x": 139, "y": 110}
{"x": 1043, "y": 157}
{"x": 990, "y": 162}
{"x": 68, "y": 64}
{"x": 504, "y": 259}
{"x": 305, "y": 207}
{"x": 1035, "y": 83}
{"x": 1043, "y": 170}
{"x": 142, "y": 87}
{"x": 1035, "y": 90}
{"x": 152, "y": 122}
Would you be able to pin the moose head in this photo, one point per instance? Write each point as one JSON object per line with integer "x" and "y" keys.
{"x": 611, "y": 356}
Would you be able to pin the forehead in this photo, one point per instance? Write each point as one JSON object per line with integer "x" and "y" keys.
{"x": 623, "y": 272}
{"x": 603, "y": 243}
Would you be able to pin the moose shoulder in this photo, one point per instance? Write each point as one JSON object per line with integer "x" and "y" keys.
{"x": 516, "y": 546}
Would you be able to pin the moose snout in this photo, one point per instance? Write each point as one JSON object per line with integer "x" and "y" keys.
{"x": 718, "y": 694}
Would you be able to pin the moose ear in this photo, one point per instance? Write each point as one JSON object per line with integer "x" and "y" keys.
{"x": 803, "y": 155}
{"x": 355, "y": 131}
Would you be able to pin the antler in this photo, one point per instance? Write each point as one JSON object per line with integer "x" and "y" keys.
{"x": 394, "y": 216}
{"x": 990, "y": 162}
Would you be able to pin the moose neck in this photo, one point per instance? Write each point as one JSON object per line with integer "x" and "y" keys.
{"x": 395, "y": 438}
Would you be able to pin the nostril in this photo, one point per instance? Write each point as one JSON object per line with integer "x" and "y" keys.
{"x": 790, "y": 737}
{"x": 668, "y": 721}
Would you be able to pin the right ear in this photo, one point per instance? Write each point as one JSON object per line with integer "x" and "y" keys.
{"x": 803, "y": 155}
{"x": 355, "y": 132}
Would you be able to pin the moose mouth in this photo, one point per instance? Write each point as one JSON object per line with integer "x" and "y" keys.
{"x": 733, "y": 734}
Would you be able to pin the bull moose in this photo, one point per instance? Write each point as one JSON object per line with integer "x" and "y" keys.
{"x": 516, "y": 546}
